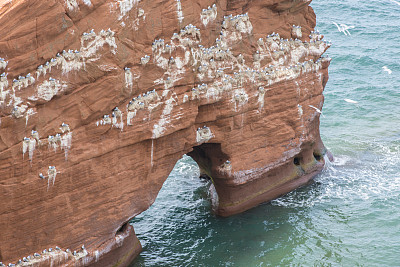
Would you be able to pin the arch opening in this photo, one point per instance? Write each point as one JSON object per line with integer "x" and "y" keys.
{"x": 183, "y": 203}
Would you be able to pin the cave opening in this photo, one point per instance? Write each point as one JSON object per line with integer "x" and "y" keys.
{"x": 182, "y": 208}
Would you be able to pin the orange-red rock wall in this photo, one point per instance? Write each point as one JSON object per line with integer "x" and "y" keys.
{"x": 225, "y": 89}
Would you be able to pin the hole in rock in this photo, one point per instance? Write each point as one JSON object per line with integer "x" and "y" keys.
{"x": 122, "y": 229}
{"x": 296, "y": 161}
{"x": 317, "y": 156}
{"x": 204, "y": 176}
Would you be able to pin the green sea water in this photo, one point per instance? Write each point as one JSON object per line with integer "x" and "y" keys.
{"x": 350, "y": 215}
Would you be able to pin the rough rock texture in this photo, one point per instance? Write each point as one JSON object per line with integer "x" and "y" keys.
{"x": 119, "y": 90}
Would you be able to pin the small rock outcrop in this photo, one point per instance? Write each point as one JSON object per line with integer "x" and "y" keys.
{"x": 100, "y": 98}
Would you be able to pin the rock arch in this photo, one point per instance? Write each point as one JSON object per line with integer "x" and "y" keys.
{"x": 99, "y": 99}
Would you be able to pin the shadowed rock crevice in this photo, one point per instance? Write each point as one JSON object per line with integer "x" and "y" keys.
{"x": 208, "y": 157}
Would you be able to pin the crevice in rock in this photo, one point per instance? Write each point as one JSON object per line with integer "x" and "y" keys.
{"x": 208, "y": 156}
{"x": 296, "y": 161}
{"x": 122, "y": 229}
{"x": 317, "y": 156}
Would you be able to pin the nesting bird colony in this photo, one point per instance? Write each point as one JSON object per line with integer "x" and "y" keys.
{"x": 55, "y": 255}
{"x": 222, "y": 73}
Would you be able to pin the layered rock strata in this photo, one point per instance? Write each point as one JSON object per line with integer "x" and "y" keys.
{"x": 100, "y": 98}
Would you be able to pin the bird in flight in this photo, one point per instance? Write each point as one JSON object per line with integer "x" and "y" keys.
{"x": 389, "y": 71}
{"x": 317, "y": 109}
{"x": 350, "y": 101}
{"x": 344, "y": 28}
{"x": 395, "y": 2}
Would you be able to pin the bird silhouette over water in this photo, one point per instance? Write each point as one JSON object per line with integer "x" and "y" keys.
{"x": 350, "y": 101}
{"x": 389, "y": 71}
{"x": 343, "y": 28}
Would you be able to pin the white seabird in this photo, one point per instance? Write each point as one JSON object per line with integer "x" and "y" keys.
{"x": 395, "y": 2}
{"x": 389, "y": 71}
{"x": 350, "y": 101}
{"x": 317, "y": 109}
{"x": 343, "y": 28}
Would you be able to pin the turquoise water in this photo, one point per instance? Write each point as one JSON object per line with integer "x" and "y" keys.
{"x": 350, "y": 215}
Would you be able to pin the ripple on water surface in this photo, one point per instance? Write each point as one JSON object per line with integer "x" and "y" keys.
{"x": 348, "y": 216}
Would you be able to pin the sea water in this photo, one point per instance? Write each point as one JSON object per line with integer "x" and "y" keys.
{"x": 350, "y": 215}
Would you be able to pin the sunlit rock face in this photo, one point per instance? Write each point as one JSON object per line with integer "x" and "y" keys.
{"x": 99, "y": 99}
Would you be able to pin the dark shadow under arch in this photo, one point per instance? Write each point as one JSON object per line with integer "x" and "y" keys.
{"x": 208, "y": 156}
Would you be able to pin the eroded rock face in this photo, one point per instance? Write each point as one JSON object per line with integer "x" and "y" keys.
{"x": 99, "y": 99}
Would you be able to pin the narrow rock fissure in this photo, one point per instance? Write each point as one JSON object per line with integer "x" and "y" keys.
{"x": 122, "y": 229}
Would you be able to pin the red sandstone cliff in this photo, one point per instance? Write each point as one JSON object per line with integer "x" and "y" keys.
{"x": 100, "y": 98}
